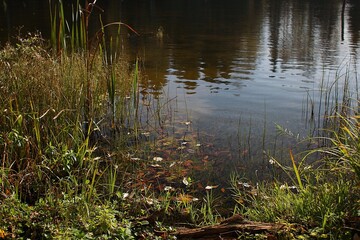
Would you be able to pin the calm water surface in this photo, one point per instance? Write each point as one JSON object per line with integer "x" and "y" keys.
{"x": 234, "y": 66}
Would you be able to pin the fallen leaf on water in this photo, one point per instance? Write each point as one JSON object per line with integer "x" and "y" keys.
{"x": 191, "y": 151}
{"x": 150, "y": 201}
{"x": 168, "y": 188}
{"x": 155, "y": 166}
{"x": 146, "y": 134}
{"x": 188, "y": 163}
{"x": 166, "y": 143}
{"x": 185, "y": 181}
{"x": 158, "y": 159}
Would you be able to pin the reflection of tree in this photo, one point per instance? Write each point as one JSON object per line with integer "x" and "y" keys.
{"x": 328, "y": 27}
{"x": 219, "y": 41}
{"x": 274, "y": 22}
{"x": 354, "y": 24}
{"x": 212, "y": 40}
{"x": 303, "y": 32}
{"x": 208, "y": 36}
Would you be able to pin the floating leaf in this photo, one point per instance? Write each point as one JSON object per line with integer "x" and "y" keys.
{"x": 155, "y": 166}
{"x": 149, "y": 201}
{"x": 185, "y": 181}
{"x": 191, "y": 151}
{"x": 168, "y": 188}
{"x": 205, "y": 159}
{"x": 244, "y": 185}
{"x": 211, "y": 187}
{"x": 158, "y": 159}
{"x": 187, "y": 123}
{"x": 125, "y": 195}
{"x": 146, "y": 134}
{"x": 188, "y": 163}
{"x": 166, "y": 143}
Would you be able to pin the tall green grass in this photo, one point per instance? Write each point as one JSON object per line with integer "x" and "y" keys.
{"x": 55, "y": 123}
{"x": 70, "y": 125}
{"x": 320, "y": 187}
{"x": 55, "y": 106}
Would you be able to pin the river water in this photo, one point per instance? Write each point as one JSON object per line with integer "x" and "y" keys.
{"x": 236, "y": 67}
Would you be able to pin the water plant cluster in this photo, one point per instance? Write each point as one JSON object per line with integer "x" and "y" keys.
{"x": 85, "y": 156}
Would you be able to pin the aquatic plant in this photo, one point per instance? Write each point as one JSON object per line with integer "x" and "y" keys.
{"x": 320, "y": 187}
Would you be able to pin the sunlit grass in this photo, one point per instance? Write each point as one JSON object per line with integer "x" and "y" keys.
{"x": 318, "y": 189}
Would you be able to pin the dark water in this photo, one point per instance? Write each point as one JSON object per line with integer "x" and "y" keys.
{"x": 236, "y": 67}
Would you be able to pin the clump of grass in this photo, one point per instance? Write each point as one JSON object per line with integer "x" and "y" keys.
{"x": 322, "y": 205}
{"x": 42, "y": 133}
{"x": 320, "y": 188}
{"x": 66, "y": 124}
{"x": 342, "y": 150}
{"x": 64, "y": 133}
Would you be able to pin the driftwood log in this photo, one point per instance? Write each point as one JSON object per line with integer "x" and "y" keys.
{"x": 229, "y": 229}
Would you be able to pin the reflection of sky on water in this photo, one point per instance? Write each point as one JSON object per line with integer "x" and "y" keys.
{"x": 270, "y": 71}
{"x": 230, "y": 60}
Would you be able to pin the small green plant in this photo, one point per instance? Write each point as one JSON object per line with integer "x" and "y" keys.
{"x": 342, "y": 151}
{"x": 207, "y": 210}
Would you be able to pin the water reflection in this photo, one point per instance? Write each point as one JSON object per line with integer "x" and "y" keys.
{"x": 228, "y": 60}
{"x": 231, "y": 43}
